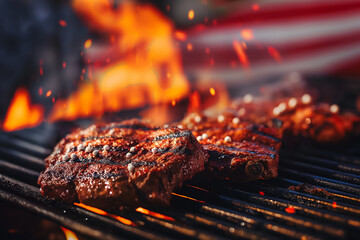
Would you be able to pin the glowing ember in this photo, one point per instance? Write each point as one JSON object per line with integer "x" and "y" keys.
{"x": 261, "y": 193}
{"x": 70, "y": 235}
{"x": 64, "y": 64}
{"x": 241, "y": 54}
{"x": 173, "y": 103}
{"x": 274, "y": 54}
{"x": 247, "y": 34}
{"x": 189, "y": 47}
{"x": 88, "y": 43}
{"x": 102, "y": 212}
{"x": 41, "y": 70}
{"x": 62, "y": 23}
{"x": 40, "y": 91}
{"x": 290, "y": 210}
{"x": 212, "y": 91}
{"x": 255, "y": 7}
{"x": 48, "y": 93}
{"x": 191, "y": 14}
{"x": 334, "y": 205}
{"x": 154, "y": 214}
{"x": 180, "y": 35}
{"x": 183, "y": 196}
{"x": 21, "y": 113}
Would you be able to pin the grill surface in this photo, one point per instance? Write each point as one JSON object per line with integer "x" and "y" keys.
{"x": 264, "y": 209}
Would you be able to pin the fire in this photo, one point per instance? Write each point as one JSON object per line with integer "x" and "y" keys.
{"x": 212, "y": 91}
{"x": 21, "y": 113}
{"x": 103, "y": 213}
{"x": 70, "y": 235}
{"x": 144, "y": 52}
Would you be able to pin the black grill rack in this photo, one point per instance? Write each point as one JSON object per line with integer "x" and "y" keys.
{"x": 264, "y": 209}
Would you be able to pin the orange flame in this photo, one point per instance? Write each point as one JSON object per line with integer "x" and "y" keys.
{"x": 102, "y": 212}
{"x": 146, "y": 52}
{"x": 21, "y": 113}
{"x": 70, "y": 235}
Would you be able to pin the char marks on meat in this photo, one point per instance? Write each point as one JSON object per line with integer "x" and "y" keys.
{"x": 301, "y": 118}
{"x": 238, "y": 150}
{"x": 130, "y": 163}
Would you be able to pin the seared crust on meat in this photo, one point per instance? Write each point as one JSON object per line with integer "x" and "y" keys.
{"x": 130, "y": 163}
{"x": 321, "y": 122}
{"x": 238, "y": 150}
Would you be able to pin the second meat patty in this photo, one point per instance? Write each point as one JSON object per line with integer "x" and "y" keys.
{"x": 239, "y": 150}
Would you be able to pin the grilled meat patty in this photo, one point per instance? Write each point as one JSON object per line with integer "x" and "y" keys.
{"x": 321, "y": 122}
{"x": 238, "y": 150}
{"x": 130, "y": 163}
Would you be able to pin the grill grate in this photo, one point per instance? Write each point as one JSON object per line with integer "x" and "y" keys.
{"x": 201, "y": 210}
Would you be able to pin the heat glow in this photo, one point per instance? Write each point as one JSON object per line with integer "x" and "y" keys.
{"x": 102, "y": 212}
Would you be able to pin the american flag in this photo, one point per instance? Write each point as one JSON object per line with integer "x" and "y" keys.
{"x": 272, "y": 38}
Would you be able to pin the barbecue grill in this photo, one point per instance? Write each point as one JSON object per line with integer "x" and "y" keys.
{"x": 264, "y": 209}
{"x": 62, "y": 65}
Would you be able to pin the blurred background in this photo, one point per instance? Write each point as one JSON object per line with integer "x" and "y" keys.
{"x": 71, "y": 59}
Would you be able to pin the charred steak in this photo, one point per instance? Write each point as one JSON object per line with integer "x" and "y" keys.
{"x": 130, "y": 163}
{"x": 238, "y": 150}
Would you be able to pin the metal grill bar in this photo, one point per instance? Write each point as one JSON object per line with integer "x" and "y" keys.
{"x": 201, "y": 210}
